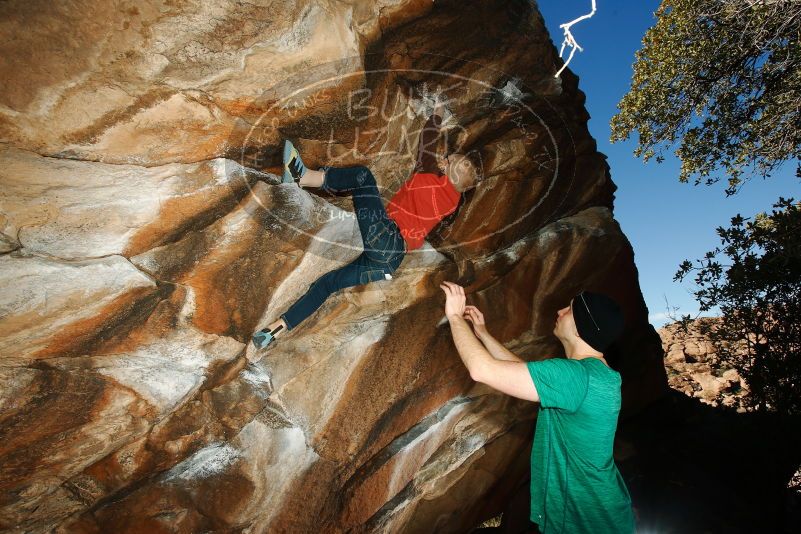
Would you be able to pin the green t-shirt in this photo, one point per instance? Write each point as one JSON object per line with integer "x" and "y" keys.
{"x": 575, "y": 484}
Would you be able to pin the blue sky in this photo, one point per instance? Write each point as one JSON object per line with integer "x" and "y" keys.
{"x": 665, "y": 220}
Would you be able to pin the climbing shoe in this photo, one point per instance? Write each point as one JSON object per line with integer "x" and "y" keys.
{"x": 293, "y": 164}
{"x": 265, "y": 336}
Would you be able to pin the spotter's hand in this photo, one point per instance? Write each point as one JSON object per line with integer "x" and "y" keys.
{"x": 454, "y": 299}
{"x": 474, "y": 315}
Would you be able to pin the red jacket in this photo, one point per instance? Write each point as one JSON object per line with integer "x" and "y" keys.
{"x": 427, "y": 197}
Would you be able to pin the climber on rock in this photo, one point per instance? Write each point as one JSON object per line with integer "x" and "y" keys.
{"x": 575, "y": 484}
{"x": 430, "y": 194}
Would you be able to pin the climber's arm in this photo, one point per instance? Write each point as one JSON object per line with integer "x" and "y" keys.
{"x": 427, "y": 145}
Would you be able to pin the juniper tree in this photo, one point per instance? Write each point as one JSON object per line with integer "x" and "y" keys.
{"x": 722, "y": 79}
{"x": 754, "y": 278}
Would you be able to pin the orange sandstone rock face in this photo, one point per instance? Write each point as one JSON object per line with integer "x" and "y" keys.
{"x": 144, "y": 237}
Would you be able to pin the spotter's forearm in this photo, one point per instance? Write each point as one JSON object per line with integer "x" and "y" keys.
{"x": 497, "y": 350}
{"x": 472, "y": 352}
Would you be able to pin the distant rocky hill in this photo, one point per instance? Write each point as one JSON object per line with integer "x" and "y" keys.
{"x": 694, "y": 367}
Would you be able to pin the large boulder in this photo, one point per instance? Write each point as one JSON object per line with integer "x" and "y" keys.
{"x": 145, "y": 236}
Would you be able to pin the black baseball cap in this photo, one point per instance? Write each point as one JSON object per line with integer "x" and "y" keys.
{"x": 599, "y": 319}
